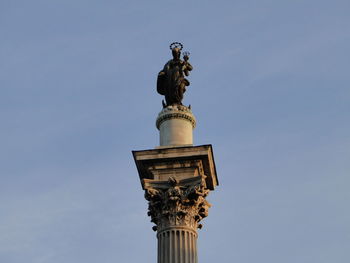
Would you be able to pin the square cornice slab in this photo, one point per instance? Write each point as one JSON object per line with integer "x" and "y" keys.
{"x": 179, "y": 162}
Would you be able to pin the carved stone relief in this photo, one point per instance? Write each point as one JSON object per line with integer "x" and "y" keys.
{"x": 177, "y": 203}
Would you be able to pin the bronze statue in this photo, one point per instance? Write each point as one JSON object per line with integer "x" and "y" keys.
{"x": 171, "y": 81}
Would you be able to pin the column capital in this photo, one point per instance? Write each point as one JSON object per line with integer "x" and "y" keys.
{"x": 177, "y": 181}
{"x": 177, "y": 203}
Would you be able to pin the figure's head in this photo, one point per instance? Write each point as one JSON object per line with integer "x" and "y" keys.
{"x": 176, "y": 48}
{"x": 176, "y": 53}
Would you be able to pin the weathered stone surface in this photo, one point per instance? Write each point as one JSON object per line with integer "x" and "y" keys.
{"x": 177, "y": 181}
{"x": 179, "y": 162}
{"x": 177, "y": 245}
{"x": 177, "y": 202}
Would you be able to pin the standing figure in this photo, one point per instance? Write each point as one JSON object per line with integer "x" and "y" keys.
{"x": 171, "y": 81}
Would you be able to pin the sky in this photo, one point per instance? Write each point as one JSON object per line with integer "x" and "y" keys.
{"x": 269, "y": 89}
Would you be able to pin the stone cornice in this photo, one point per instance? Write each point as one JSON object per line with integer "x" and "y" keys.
{"x": 184, "y": 162}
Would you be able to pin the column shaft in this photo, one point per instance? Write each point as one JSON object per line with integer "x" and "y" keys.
{"x": 177, "y": 246}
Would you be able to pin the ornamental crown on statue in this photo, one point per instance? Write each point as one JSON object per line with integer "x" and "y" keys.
{"x": 176, "y": 176}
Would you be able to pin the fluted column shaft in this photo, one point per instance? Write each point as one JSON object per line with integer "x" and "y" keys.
{"x": 177, "y": 245}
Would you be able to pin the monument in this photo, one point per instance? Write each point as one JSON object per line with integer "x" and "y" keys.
{"x": 176, "y": 176}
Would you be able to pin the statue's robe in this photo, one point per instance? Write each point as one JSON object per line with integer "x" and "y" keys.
{"x": 171, "y": 82}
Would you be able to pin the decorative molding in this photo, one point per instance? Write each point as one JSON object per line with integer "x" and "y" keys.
{"x": 175, "y": 161}
{"x": 175, "y": 202}
{"x": 176, "y": 112}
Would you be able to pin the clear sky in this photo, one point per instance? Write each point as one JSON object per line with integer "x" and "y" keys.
{"x": 270, "y": 91}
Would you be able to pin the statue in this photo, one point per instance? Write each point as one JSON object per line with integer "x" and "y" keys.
{"x": 171, "y": 81}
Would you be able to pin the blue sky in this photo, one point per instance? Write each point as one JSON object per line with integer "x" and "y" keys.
{"x": 269, "y": 89}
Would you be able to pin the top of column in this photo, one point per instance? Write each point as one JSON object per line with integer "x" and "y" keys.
{"x": 176, "y": 121}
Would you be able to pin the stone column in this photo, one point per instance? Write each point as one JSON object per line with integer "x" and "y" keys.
{"x": 177, "y": 178}
{"x": 177, "y": 207}
{"x": 177, "y": 245}
{"x": 177, "y": 181}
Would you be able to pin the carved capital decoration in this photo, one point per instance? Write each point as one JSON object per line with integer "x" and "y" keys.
{"x": 177, "y": 202}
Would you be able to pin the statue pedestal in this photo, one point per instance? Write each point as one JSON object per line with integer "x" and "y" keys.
{"x": 175, "y": 125}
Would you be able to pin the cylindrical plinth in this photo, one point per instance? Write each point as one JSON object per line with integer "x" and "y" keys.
{"x": 177, "y": 245}
{"x": 175, "y": 125}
